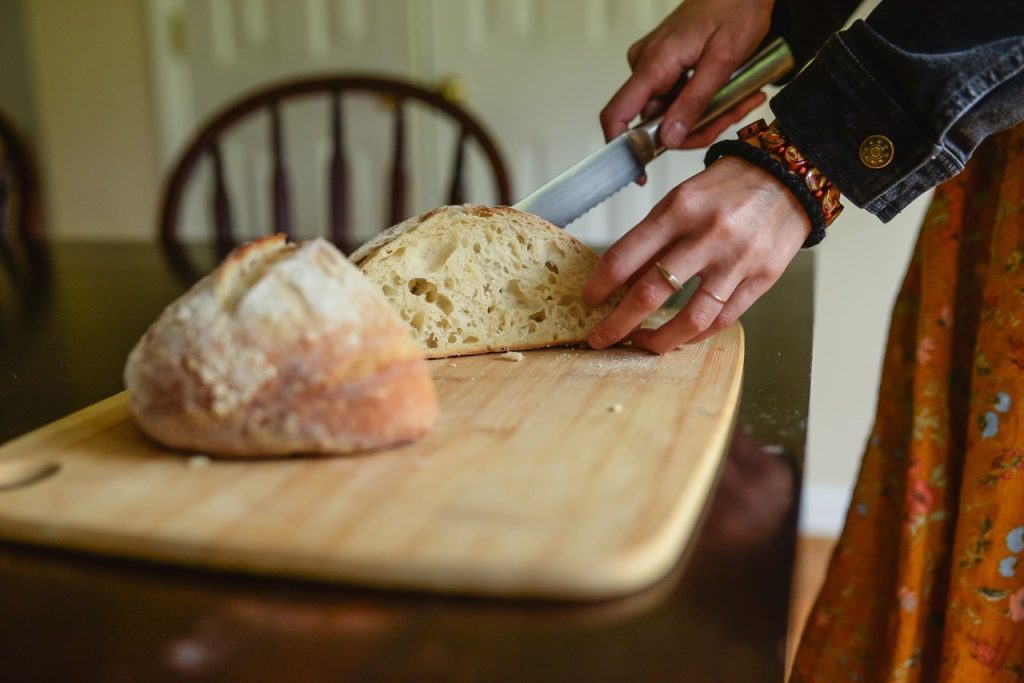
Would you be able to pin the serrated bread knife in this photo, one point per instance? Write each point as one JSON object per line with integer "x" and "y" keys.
{"x": 621, "y": 162}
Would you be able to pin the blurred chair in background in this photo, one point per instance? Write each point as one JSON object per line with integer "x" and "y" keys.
{"x": 21, "y": 208}
{"x": 268, "y": 101}
{"x": 23, "y": 253}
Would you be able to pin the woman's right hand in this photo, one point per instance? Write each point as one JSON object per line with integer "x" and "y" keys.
{"x": 712, "y": 37}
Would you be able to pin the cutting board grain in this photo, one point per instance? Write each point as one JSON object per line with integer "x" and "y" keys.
{"x": 572, "y": 474}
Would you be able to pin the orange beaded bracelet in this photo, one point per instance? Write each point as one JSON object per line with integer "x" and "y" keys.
{"x": 769, "y": 138}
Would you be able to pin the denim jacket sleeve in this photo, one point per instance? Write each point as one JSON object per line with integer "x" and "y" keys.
{"x": 805, "y": 24}
{"x": 934, "y": 76}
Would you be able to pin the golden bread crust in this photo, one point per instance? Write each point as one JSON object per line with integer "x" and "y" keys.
{"x": 283, "y": 349}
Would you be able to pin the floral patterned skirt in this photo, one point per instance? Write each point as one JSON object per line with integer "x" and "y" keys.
{"x": 927, "y": 581}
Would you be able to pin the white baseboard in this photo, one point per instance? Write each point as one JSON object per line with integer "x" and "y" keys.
{"x": 823, "y": 509}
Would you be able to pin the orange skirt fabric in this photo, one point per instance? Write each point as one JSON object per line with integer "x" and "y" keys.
{"x": 927, "y": 581}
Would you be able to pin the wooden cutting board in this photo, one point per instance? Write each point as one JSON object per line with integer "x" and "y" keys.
{"x": 570, "y": 474}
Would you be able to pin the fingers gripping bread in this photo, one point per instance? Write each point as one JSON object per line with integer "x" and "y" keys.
{"x": 474, "y": 279}
{"x": 285, "y": 348}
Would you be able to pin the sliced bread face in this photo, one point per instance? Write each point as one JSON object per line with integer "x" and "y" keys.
{"x": 475, "y": 279}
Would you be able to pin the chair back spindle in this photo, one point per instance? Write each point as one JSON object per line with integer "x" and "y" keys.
{"x": 398, "y": 171}
{"x": 221, "y": 208}
{"x": 338, "y": 184}
{"x": 6, "y": 253}
{"x": 21, "y": 205}
{"x": 5, "y": 194}
{"x": 281, "y": 203}
{"x": 457, "y": 194}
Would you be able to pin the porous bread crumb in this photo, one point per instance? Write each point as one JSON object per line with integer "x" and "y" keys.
{"x": 198, "y": 461}
{"x": 615, "y": 408}
{"x": 513, "y": 356}
{"x": 473, "y": 279}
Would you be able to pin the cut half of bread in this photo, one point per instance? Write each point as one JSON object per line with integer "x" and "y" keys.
{"x": 476, "y": 279}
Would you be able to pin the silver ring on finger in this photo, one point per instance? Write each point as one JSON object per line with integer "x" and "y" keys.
{"x": 671, "y": 279}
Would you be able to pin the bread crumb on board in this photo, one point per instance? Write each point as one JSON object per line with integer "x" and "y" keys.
{"x": 513, "y": 356}
{"x": 615, "y": 408}
{"x": 451, "y": 365}
{"x": 198, "y": 461}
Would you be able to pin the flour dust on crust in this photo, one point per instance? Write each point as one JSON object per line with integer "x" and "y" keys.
{"x": 284, "y": 348}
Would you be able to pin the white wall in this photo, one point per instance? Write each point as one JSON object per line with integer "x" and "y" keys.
{"x": 859, "y": 270}
{"x": 94, "y": 130}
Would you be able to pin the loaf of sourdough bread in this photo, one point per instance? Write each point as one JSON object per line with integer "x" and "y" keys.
{"x": 475, "y": 279}
{"x": 283, "y": 349}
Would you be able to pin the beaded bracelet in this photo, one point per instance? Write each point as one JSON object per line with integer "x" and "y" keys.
{"x": 772, "y": 140}
{"x": 766, "y": 146}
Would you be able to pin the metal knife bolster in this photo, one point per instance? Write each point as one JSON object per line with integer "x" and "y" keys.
{"x": 767, "y": 66}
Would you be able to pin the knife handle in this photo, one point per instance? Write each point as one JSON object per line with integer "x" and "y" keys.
{"x": 767, "y": 66}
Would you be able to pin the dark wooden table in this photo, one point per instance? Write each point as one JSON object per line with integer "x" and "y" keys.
{"x": 720, "y": 616}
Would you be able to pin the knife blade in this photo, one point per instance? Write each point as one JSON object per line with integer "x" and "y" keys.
{"x": 589, "y": 182}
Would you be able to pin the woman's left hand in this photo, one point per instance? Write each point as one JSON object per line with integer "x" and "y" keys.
{"x": 734, "y": 225}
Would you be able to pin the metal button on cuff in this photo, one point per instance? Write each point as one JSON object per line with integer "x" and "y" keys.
{"x": 876, "y": 151}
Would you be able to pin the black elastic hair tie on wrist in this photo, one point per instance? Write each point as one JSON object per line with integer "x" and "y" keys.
{"x": 761, "y": 158}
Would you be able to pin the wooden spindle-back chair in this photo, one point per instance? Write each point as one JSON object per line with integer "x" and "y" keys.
{"x": 269, "y": 100}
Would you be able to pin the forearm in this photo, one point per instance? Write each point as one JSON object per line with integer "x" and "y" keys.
{"x": 935, "y": 78}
